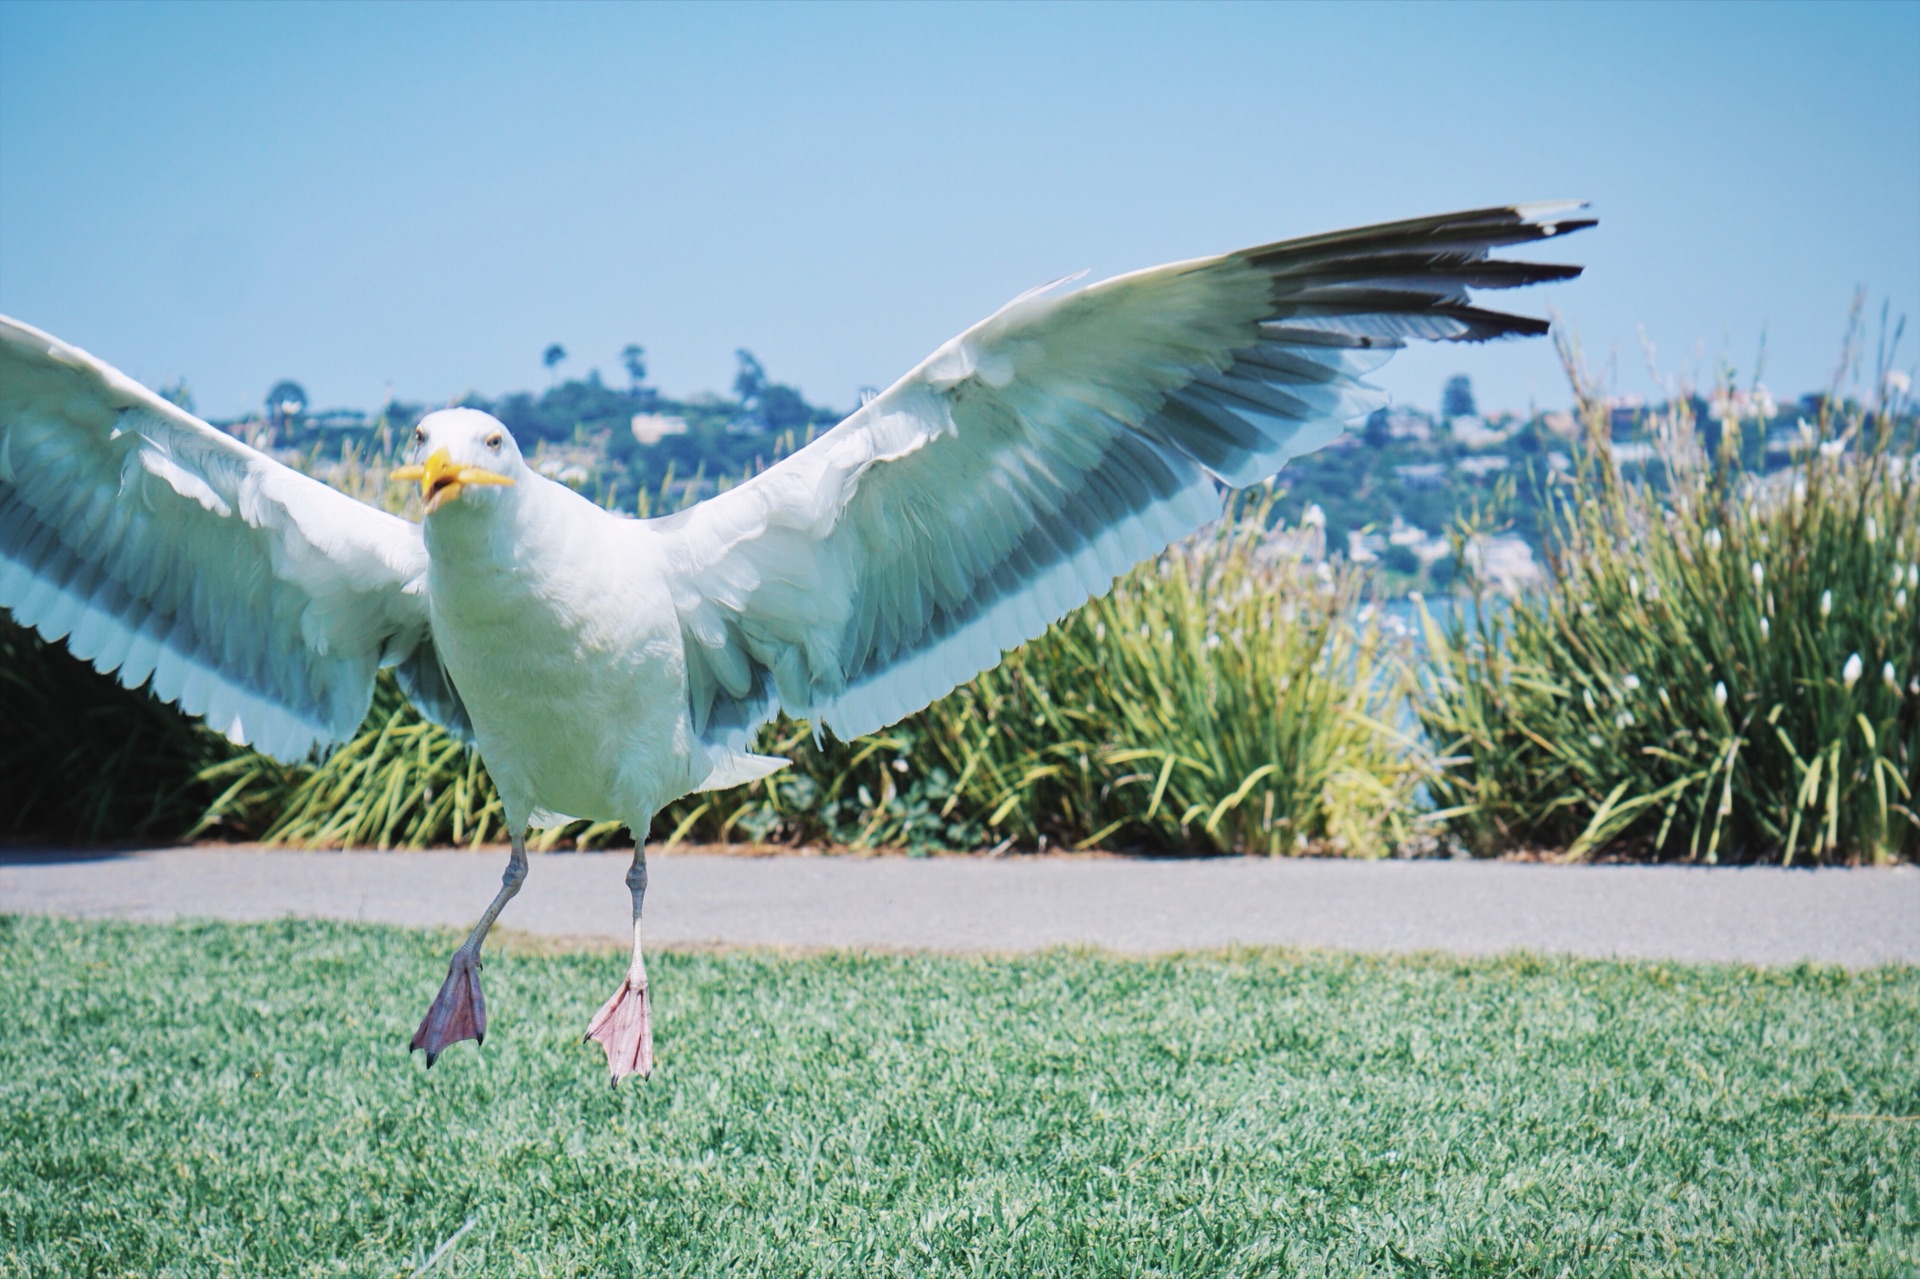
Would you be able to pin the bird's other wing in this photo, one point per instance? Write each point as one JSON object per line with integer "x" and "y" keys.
{"x": 1030, "y": 461}
{"x": 170, "y": 554}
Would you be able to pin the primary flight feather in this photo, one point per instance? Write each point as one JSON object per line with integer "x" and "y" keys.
{"x": 605, "y": 666}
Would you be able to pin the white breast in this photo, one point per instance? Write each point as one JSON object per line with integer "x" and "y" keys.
{"x": 560, "y": 635}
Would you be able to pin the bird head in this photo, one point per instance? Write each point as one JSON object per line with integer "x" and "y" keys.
{"x": 457, "y": 452}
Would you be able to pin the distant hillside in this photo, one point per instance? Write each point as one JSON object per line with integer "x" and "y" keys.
{"x": 1388, "y": 492}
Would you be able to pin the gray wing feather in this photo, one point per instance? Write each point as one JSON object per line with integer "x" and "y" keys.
{"x": 171, "y": 555}
{"x": 1026, "y": 464}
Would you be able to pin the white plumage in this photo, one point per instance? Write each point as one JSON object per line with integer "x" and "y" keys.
{"x": 606, "y": 665}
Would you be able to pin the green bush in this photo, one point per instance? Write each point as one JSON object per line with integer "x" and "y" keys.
{"x": 1724, "y": 667}
{"x": 83, "y": 759}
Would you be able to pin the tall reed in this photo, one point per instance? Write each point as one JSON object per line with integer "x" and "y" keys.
{"x": 1722, "y": 666}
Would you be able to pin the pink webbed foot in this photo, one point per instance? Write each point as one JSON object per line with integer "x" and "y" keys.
{"x": 624, "y": 1027}
{"x": 459, "y": 1011}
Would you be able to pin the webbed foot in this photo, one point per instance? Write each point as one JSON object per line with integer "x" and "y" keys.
{"x": 624, "y": 1027}
{"x": 459, "y": 1011}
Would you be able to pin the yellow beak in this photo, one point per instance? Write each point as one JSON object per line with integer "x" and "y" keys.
{"x": 442, "y": 479}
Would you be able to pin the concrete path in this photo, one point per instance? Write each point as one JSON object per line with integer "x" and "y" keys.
{"x": 1756, "y": 915}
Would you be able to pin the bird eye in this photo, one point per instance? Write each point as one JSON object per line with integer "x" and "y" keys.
{"x": 493, "y": 441}
{"x": 419, "y": 436}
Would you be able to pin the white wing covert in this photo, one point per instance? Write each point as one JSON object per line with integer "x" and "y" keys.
{"x": 162, "y": 550}
{"x": 1033, "y": 459}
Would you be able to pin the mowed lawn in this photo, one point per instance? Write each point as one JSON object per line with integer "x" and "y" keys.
{"x": 220, "y": 1099}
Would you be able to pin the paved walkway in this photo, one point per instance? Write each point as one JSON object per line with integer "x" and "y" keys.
{"x": 1754, "y": 915}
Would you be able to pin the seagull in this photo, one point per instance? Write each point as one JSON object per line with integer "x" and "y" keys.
{"x": 604, "y": 665}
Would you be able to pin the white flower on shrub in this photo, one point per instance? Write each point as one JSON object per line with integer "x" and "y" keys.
{"x": 1850, "y": 673}
{"x": 1720, "y": 693}
{"x": 1313, "y": 516}
{"x": 1713, "y": 539}
{"x": 1630, "y": 682}
{"x": 1833, "y": 449}
{"x": 1759, "y": 576}
{"x": 1900, "y": 599}
{"x": 1873, "y": 531}
{"x": 1892, "y": 680}
{"x": 1800, "y": 486}
{"x": 1898, "y": 382}
{"x": 1766, "y": 632}
{"x": 1826, "y": 603}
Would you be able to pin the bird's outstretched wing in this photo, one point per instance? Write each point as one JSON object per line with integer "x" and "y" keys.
{"x": 160, "y": 549}
{"x": 1030, "y": 461}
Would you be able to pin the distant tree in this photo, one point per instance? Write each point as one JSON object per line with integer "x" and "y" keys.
{"x": 1377, "y": 435}
{"x": 633, "y": 357}
{"x": 1457, "y": 399}
{"x": 750, "y": 383}
{"x": 399, "y": 415}
{"x": 552, "y": 357}
{"x": 782, "y": 408}
{"x": 285, "y": 403}
{"x": 1401, "y": 559}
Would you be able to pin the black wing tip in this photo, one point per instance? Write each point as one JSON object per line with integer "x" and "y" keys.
{"x": 1483, "y": 229}
{"x": 1422, "y": 267}
{"x": 1490, "y": 326}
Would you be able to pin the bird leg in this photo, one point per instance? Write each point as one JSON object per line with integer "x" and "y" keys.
{"x": 624, "y": 1024}
{"x": 459, "y": 1011}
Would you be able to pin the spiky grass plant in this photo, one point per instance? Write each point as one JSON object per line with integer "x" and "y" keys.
{"x": 1223, "y": 698}
{"x": 1721, "y": 667}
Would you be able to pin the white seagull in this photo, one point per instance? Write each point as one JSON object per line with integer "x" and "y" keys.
{"x": 605, "y": 665}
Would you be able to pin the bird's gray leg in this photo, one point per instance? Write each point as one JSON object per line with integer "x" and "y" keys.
{"x": 624, "y": 1024}
{"x": 459, "y": 1011}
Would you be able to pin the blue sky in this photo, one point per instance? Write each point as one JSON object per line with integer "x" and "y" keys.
{"x": 371, "y": 196}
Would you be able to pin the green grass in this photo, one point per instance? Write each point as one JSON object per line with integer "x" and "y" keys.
{"x": 219, "y": 1099}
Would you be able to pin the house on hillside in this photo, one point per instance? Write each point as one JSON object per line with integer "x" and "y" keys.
{"x": 651, "y": 428}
